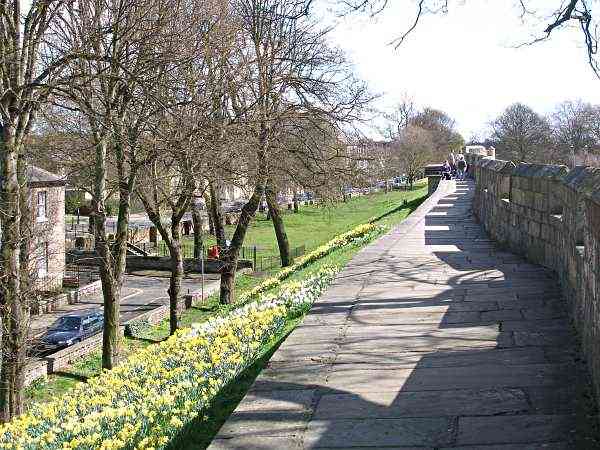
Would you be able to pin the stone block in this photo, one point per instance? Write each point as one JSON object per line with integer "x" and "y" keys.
{"x": 515, "y": 429}
{"x": 534, "y": 228}
{"x": 404, "y": 432}
{"x": 394, "y": 404}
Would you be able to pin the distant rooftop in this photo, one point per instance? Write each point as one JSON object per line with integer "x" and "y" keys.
{"x": 40, "y": 177}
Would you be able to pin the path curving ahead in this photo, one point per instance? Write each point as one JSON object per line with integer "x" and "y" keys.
{"x": 430, "y": 338}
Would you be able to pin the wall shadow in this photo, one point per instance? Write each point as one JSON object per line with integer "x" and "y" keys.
{"x": 467, "y": 347}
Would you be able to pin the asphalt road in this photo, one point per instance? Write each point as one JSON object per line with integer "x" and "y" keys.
{"x": 140, "y": 294}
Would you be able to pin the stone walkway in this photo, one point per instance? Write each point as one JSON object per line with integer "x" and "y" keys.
{"x": 430, "y": 338}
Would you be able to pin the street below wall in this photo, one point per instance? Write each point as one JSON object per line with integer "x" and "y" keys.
{"x": 141, "y": 293}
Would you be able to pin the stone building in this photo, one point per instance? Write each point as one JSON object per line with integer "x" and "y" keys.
{"x": 47, "y": 192}
{"x": 480, "y": 150}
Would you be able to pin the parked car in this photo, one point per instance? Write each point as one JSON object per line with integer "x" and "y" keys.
{"x": 234, "y": 206}
{"x": 72, "y": 328}
{"x": 399, "y": 183}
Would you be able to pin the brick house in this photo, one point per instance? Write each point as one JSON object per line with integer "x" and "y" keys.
{"x": 47, "y": 192}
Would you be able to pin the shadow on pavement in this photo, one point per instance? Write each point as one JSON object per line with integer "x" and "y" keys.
{"x": 433, "y": 339}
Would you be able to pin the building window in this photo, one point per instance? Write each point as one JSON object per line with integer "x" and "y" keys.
{"x": 42, "y": 198}
{"x": 42, "y": 260}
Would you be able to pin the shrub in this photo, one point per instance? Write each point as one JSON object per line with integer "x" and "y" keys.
{"x": 72, "y": 202}
{"x": 145, "y": 402}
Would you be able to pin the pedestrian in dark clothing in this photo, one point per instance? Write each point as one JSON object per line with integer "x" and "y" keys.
{"x": 446, "y": 171}
{"x": 461, "y": 166}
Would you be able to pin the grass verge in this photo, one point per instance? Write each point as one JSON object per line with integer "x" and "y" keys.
{"x": 315, "y": 225}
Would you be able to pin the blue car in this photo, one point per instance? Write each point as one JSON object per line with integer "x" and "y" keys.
{"x": 72, "y": 328}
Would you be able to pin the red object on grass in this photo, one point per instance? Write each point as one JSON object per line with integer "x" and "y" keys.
{"x": 213, "y": 252}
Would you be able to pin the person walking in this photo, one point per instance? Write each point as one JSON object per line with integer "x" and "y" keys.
{"x": 461, "y": 167}
{"x": 452, "y": 162}
{"x": 446, "y": 173}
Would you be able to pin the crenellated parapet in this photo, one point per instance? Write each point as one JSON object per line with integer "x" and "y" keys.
{"x": 551, "y": 215}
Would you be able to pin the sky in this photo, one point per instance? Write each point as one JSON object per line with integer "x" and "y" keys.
{"x": 465, "y": 62}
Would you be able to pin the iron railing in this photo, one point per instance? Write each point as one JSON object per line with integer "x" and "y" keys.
{"x": 262, "y": 258}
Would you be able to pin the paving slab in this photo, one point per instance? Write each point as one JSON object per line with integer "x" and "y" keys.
{"x": 529, "y": 446}
{"x": 258, "y": 443}
{"x": 365, "y": 378}
{"x": 392, "y": 404}
{"x": 516, "y": 429}
{"x": 260, "y": 424}
{"x": 448, "y": 358}
{"x": 363, "y": 432}
{"x": 432, "y": 337}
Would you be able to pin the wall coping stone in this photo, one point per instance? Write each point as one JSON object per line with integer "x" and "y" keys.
{"x": 585, "y": 180}
{"x": 479, "y": 160}
{"x": 551, "y": 171}
{"x": 497, "y": 165}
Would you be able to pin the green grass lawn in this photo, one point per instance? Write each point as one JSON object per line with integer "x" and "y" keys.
{"x": 315, "y": 226}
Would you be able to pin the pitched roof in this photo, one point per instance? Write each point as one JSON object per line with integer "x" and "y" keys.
{"x": 40, "y": 177}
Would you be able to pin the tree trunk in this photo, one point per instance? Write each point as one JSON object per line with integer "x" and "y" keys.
{"x": 91, "y": 226}
{"x": 126, "y": 184}
{"x": 176, "y": 276}
{"x": 197, "y": 223}
{"x": 112, "y": 258}
{"x": 173, "y": 242}
{"x": 13, "y": 307}
{"x": 211, "y": 224}
{"x": 296, "y": 204}
{"x": 110, "y": 289}
{"x": 230, "y": 257}
{"x": 111, "y": 293}
{"x": 279, "y": 226}
{"x": 216, "y": 210}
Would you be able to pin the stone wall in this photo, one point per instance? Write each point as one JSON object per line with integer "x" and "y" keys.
{"x": 49, "y": 233}
{"x": 551, "y": 215}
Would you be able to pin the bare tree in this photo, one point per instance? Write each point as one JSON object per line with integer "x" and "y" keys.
{"x": 169, "y": 182}
{"x": 574, "y": 127}
{"x": 117, "y": 92}
{"x": 190, "y": 133}
{"x": 521, "y": 134}
{"x": 292, "y": 69}
{"x": 29, "y": 68}
{"x": 400, "y": 117}
{"x": 412, "y": 151}
{"x": 306, "y": 155}
{"x": 547, "y": 20}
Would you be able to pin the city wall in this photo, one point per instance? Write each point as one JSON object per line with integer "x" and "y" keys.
{"x": 551, "y": 215}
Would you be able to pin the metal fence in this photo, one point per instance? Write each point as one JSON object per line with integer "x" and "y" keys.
{"x": 78, "y": 275}
{"x": 82, "y": 228}
{"x": 262, "y": 258}
{"x": 262, "y": 263}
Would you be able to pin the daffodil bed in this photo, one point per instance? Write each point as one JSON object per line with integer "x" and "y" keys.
{"x": 145, "y": 402}
{"x": 357, "y": 236}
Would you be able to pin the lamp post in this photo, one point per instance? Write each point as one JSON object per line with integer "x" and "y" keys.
{"x": 202, "y": 270}
{"x": 572, "y": 155}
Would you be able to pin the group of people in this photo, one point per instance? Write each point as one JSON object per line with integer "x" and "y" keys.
{"x": 454, "y": 168}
